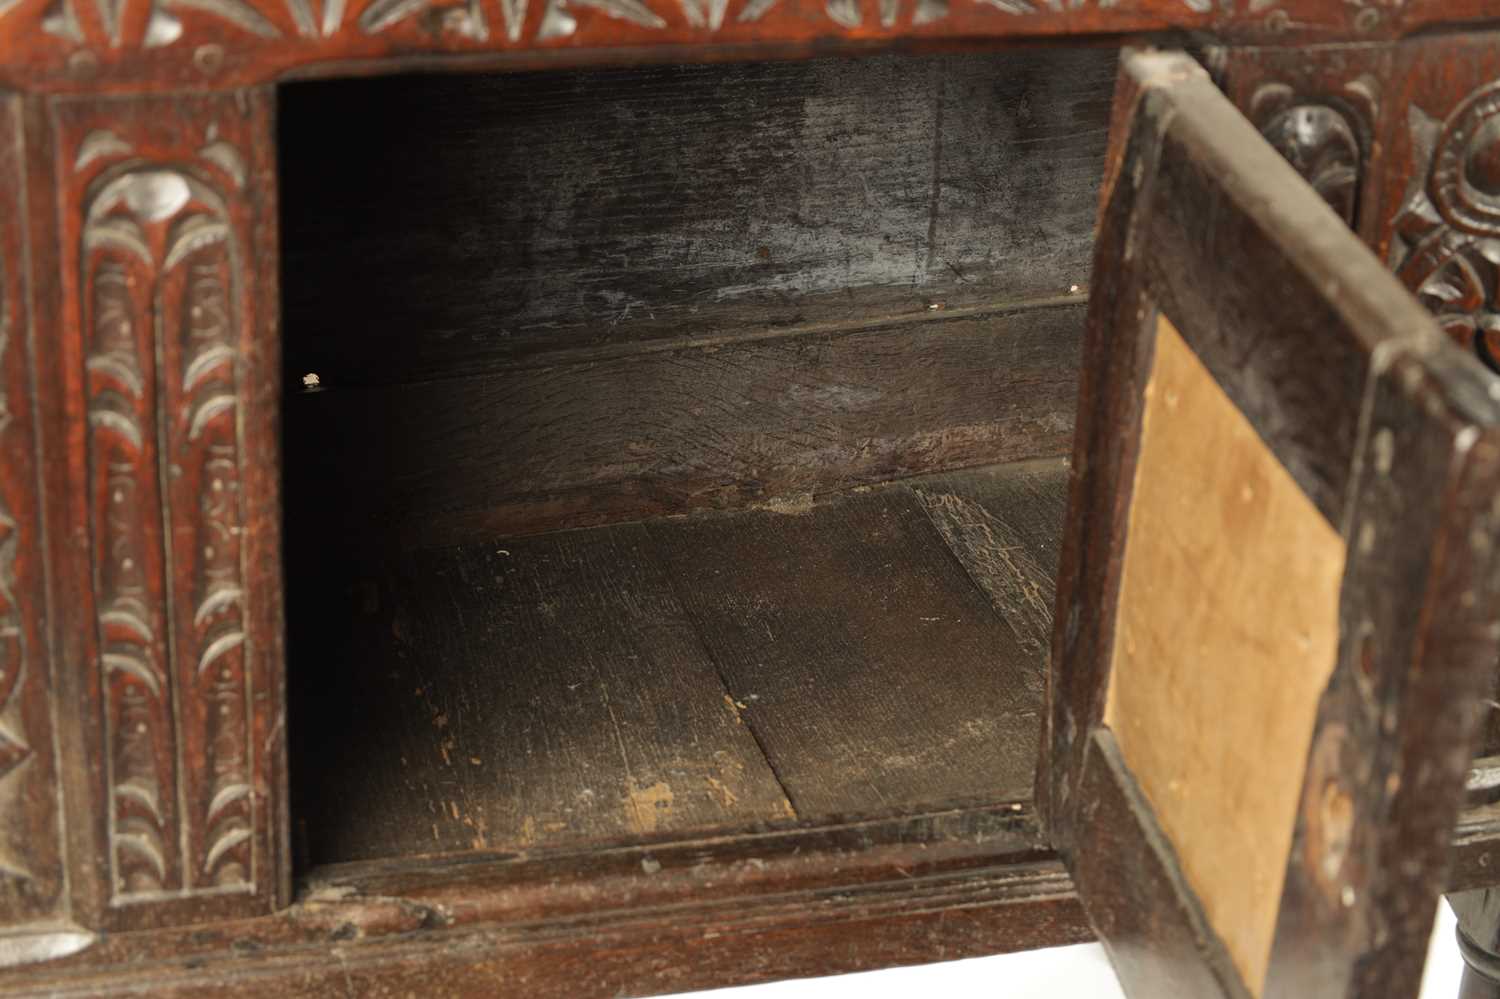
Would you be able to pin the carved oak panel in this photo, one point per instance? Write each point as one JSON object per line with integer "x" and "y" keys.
{"x": 31, "y": 879}
{"x": 168, "y": 274}
{"x": 1440, "y": 211}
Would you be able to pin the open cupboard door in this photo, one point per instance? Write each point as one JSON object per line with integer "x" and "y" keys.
{"x": 1277, "y": 605}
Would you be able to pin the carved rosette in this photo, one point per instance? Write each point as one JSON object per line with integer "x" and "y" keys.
{"x": 159, "y": 266}
{"x": 1446, "y": 242}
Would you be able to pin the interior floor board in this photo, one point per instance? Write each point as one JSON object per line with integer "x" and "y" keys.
{"x": 873, "y": 653}
{"x": 541, "y": 692}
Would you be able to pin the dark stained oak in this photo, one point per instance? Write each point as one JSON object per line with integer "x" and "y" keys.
{"x": 656, "y": 266}
{"x": 525, "y": 694}
{"x": 683, "y": 426}
{"x": 1390, "y": 432}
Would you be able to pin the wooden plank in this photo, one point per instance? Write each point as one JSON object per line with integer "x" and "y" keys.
{"x": 542, "y": 694}
{"x": 688, "y": 428}
{"x": 33, "y": 862}
{"x": 1004, "y": 523}
{"x": 1227, "y": 634}
{"x": 874, "y": 673}
{"x": 512, "y": 213}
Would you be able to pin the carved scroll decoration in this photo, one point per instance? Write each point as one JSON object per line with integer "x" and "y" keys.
{"x": 160, "y": 266}
{"x": 1446, "y": 241}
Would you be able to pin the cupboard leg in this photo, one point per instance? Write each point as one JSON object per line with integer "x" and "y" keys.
{"x": 1478, "y": 914}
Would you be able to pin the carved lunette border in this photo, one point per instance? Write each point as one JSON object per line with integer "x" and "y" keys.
{"x": 160, "y": 272}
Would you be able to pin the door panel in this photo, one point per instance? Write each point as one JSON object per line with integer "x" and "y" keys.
{"x": 1265, "y": 682}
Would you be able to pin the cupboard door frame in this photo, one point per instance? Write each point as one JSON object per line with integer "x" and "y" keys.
{"x": 1393, "y": 435}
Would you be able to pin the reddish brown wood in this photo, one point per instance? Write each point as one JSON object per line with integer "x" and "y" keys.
{"x": 639, "y": 920}
{"x": 162, "y": 44}
{"x": 165, "y": 410}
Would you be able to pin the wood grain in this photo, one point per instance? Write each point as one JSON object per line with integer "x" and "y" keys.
{"x": 1227, "y": 634}
{"x": 874, "y": 673}
{"x": 78, "y": 45}
{"x": 529, "y": 694}
{"x": 564, "y": 690}
{"x": 1004, "y": 523}
{"x": 521, "y": 213}
{"x": 636, "y": 920}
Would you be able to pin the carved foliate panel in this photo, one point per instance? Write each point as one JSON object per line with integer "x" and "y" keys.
{"x": 30, "y": 821}
{"x": 170, "y": 274}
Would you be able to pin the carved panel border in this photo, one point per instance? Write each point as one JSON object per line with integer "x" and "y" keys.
{"x": 94, "y": 44}
{"x": 172, "y": 200}
{"x": 1440, "y": 217}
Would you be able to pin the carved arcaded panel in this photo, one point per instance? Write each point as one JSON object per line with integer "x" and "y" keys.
{"x": 172, "y": 267}
{"x": 78, "y": 44}
{"x": 30, "y": 830}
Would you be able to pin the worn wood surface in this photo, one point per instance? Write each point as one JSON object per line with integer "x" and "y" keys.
{"x": 158, "y": 370}
{"x": 1226, "y": 636}
{"x": 32, "y": 875}
{"x": 546, "y": 692}
{"x": 677, "y": 428}
{"x": 1389, "y": 753}
{"x": 520, "y": 213}
{"x": 873, "y": 672}
{"x": 1150, "y": 920}
{"x": 690, "y": 675}
{"x": 76, "y": 45}
{"x": 1323, "y": 108}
